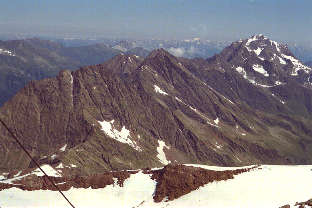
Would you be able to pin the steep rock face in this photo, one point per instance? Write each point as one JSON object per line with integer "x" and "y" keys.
{"x": 131, "y": 113}
{"x": 263, "y": 61}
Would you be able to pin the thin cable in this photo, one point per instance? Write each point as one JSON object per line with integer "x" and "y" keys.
{"x": 20, "y": 144}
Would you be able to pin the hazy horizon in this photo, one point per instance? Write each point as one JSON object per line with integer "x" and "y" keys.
{"x": 162, "y": 19}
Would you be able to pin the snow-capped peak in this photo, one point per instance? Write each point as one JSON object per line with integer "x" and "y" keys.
{"x": 255, "y": 38}
{"x": 268, "y": 50}
{"x": 297, "y": 65}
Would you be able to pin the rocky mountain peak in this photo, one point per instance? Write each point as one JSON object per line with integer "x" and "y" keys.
{"x": 164, "y": 64}
{"x": 122, "y": 64}
{"x": 260, "y": 45}
{"x": 159, "y": 53}
{"x": 262, "y": 61}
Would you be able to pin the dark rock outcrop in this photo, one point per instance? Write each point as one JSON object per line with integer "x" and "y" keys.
{"x": 174, "y": 181}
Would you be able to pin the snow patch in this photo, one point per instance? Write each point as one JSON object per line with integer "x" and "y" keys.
{"x": 193, "y": 109}
{"x": 122, "y": 136}
{"x": 73, "y": 165}
{"x": 47, "y": 169}
{"x": 260, "y": 69}
{"x": 161, "y": 154}
{"x": 6, "y": 52}
{"x": 201, "y": 114}
{"x": 160, "y": 91}
{"x": 278, "y": 83}
{"x": 242, "y": 71}
{"x": 216, "y": 121}
{"x": 179, "y": 100}
{"x": 71, "y": 79}
{"x": 53, "y": 156}
{"x": 297, "y": 65}
{"x": 219, "y": 93}
{"x": 273, "y": 43}
{"x": 17, "y": 174}
{"x": 63, "y": 148}
{"x": 237, "y": 159}
{"x": 253, "y": 38}
{"x": 283, "y": 102}
{"x": 60, "y": 166}
{"x": 282, "y": 61}
{"x": 2, "y": 177}
{"x": 211, "y": 124}
{"x": 258, "y": 51}
{"x": 218, "y": 145}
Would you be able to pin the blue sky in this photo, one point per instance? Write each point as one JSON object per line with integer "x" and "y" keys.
{"x": 289, "y": 20}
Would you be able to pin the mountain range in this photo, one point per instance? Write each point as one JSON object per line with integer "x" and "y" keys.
{"x": 250, "y": 104}
{"x": 42, "y": 58}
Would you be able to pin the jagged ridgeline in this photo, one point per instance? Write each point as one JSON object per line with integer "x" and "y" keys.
{"x": 249, "y": 104}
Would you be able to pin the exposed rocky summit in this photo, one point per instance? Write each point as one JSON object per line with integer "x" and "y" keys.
{"x": 131, "y": 113}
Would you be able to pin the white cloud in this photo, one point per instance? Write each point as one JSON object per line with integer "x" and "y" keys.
{"x": 179, "y": 52}
{"x": 176, "y": 51}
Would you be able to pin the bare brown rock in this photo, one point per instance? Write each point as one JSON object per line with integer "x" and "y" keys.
{"x": 174, "y": 181}
{"x": 33, "y": 182}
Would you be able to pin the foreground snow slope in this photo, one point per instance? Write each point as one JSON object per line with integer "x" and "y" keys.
{"x": 269, "y": 186}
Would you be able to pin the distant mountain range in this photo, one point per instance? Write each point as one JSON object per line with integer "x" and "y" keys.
{"x": 32, "y": 59}
{"x": 37, "y": 58}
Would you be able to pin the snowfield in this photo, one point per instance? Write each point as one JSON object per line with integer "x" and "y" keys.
{"x": 122, "y": 136}
{"x": 269, "y": 186}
